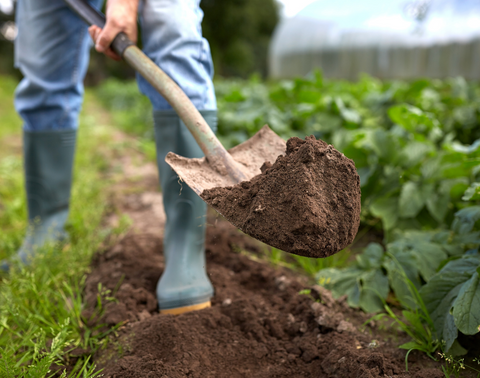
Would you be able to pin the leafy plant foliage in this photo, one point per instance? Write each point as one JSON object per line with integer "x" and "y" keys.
{"x": 416, "y": 150}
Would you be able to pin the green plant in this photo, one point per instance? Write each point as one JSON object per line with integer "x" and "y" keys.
{"x": 432, "y": 264}
{"x": 415, "y": 321}
{"x": 309, "y": 266}
{"x": 41, "y": 305}
{"x": 452, "y": 297}
{"x": 364, "y": 282}
{"x": 455, "y": 366}
{"x": 308, "y": 293}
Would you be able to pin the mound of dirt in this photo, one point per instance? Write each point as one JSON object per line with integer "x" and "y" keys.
{"x": 259, "y": 324}
{"x": 306, "y": 203}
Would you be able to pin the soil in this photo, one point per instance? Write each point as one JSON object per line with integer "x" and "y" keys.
{"x": 258, "y": 326}
{"x": 306, "y": 203}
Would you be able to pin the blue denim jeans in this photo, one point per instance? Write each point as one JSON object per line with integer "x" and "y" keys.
{"x": 52, "y": 51}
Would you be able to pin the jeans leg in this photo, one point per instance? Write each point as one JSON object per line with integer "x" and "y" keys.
{"x": 172, "y": 38}
{"x": 52, "y": 51}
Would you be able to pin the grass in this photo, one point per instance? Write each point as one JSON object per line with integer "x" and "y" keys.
{"x": 308, "y": 266}
{"x": 415, "y": 320}
{"x": 41, "y": 305}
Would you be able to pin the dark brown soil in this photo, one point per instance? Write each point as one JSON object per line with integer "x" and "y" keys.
{"x": 306, "y": 203}
{"x": 259, "y": 324}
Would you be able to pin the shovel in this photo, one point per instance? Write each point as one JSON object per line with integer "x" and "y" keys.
{"x": 219, "y": 168}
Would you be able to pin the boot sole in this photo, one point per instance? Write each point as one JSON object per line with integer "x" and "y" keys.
{"x": 183, "y": 310}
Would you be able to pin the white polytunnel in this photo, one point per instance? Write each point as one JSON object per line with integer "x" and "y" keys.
{"x": 385, "y": 38}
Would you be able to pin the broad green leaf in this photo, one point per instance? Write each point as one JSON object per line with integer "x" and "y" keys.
{"x": 457, "y": 350}
{"x": 342, "y": 282}
{"x": 466, "y": 310}
{"x": 309, "y": 96}
{"x": 374, "y": 290}
{"x": 454, "y": 250}
{"x": 403, "y": 115}
{"x": 459, "y": 169}
{"x": 468, "y": 238}
{"x": 412, "y": 118}
{"x": 430, "y": 168}
{"x": 398, "y": 271}
{"x": 364, "y": 288}
{"x": 411, "y": 200}
{"x": 472, "y": 193}
{"x": 450, "y": 331}
{"x": 342, "y": 138}
{"x": 371, "y": 257}
{"x": 383, "y": 143}
{"x": 428, "y": 257}
{"x": 339, "y": 281}
{"x": 350, "y": 115}
{"x": 387, "y": 210}
{"x": 457, "y": 190}
{"x": 465, "y": 219}
{"x": 353, "y": 295}
{"x": 417, "y": 248}
{"x": 437, "y": 205}
{"x": 442, "y": 289}
{"x": 365, "y": 173}
{"x": 234, "y": 96}
{"x": 414, "y": 152}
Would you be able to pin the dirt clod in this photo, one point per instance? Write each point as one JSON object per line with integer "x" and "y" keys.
{"x": 306, "y": 203}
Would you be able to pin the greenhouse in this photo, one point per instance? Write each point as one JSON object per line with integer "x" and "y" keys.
{"x": 394, "y": 39}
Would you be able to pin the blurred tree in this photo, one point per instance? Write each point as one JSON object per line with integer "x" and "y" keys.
{"x": 7, "y": 34}
{"x": 239, "y": 33}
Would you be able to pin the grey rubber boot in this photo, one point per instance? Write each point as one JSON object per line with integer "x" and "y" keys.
{"x": 184, "y": 285}
{"x": 48, "y": 160}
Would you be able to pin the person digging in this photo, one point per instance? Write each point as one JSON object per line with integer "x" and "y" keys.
{"x": 52, "y": 50}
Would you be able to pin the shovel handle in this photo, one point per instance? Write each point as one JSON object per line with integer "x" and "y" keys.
{"x": 216, "y": 154}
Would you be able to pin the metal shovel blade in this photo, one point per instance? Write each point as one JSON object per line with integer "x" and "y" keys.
{"x": 264, "y": 146}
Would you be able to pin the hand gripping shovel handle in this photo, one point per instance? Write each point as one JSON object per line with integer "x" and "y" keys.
{"x": 215, "y": 153}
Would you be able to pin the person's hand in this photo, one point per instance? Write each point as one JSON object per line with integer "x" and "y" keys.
{"x": 121, "y": 17}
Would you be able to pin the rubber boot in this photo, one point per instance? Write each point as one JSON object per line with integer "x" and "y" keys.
{"x": 184, "y": 285}
{"x": 48, "y": 161}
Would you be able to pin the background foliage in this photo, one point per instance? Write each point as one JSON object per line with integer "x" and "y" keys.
{"x": 238, "y": 31}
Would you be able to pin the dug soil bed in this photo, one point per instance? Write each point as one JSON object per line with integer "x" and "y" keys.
{"x": 259, "y": 325}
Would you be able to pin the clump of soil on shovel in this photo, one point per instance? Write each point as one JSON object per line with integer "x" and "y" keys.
{"x": 307, "y": 202}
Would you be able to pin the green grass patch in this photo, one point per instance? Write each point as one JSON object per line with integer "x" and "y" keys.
{"x": 10, "y": 121}
{"x": 41, "y": 305}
